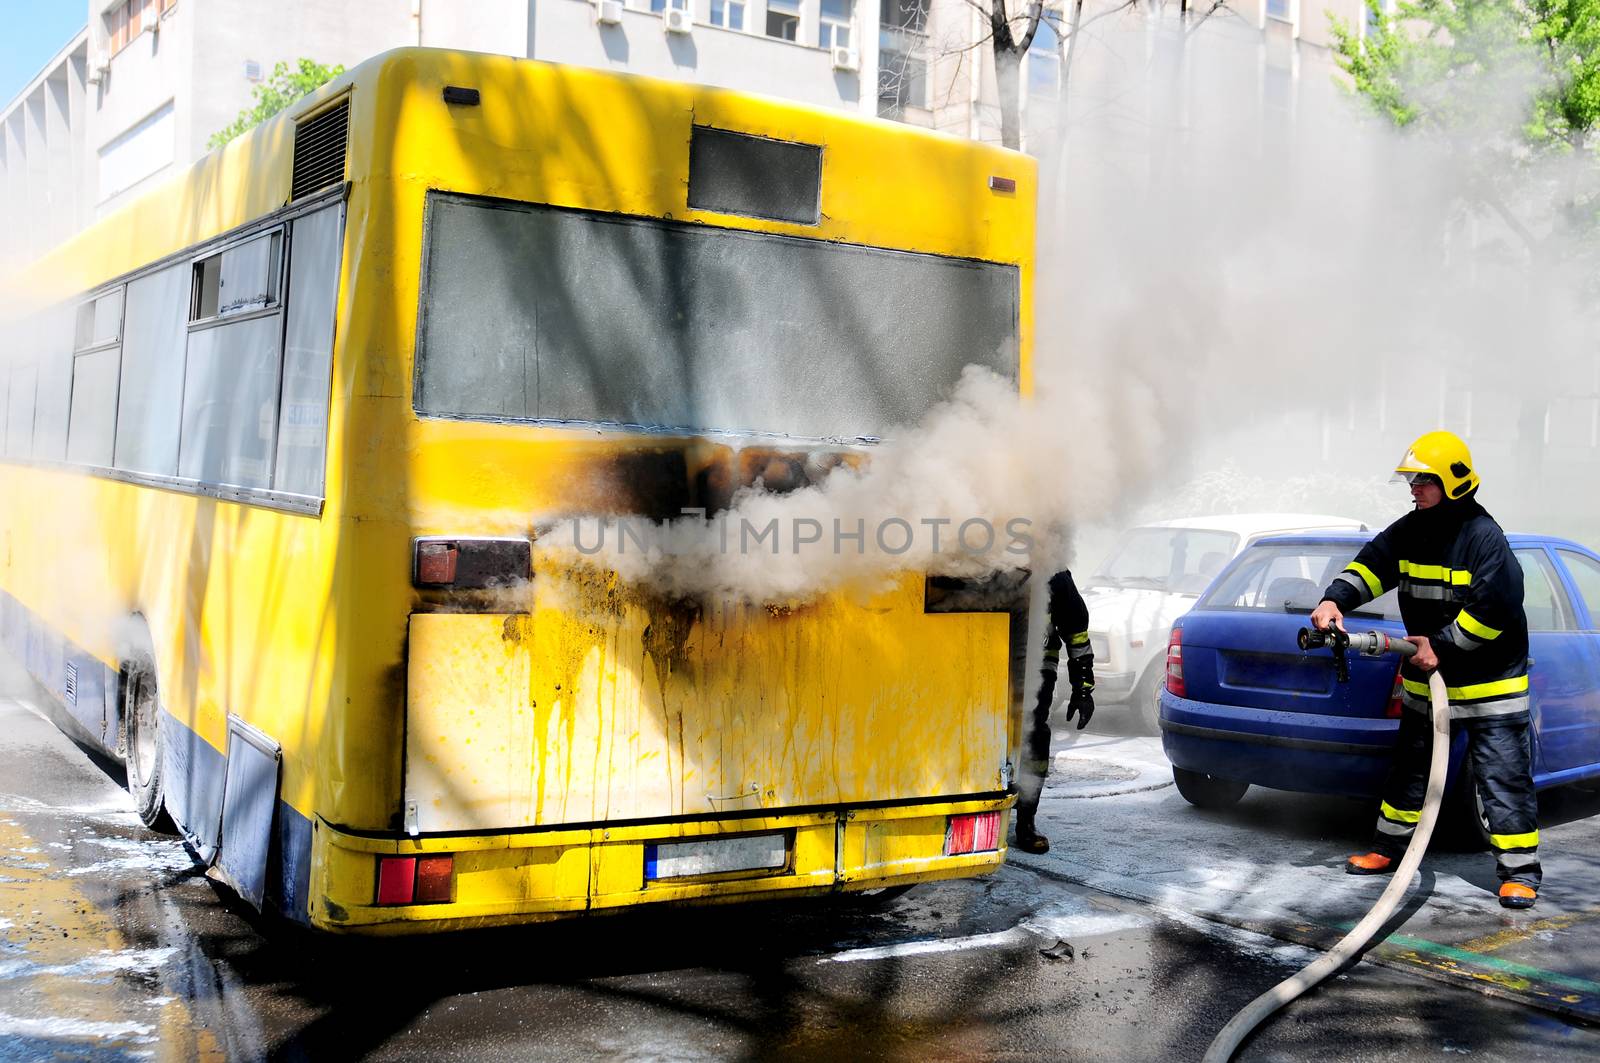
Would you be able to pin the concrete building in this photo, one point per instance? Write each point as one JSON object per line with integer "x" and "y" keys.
{"x": 141, "y": 89}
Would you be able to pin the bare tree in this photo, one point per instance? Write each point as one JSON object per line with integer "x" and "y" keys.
{"x": 1012, "y": 30}
{"x": 1009, "y": 48}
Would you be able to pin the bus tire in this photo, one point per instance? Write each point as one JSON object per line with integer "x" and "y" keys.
{"x": 143, "y": 745}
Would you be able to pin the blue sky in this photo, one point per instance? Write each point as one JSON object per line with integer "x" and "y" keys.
{"x": 34, "y": 31}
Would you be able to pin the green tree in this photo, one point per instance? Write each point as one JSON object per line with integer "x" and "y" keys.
{"x": 1511, "y": 83}
{"x": 283, "y": 88}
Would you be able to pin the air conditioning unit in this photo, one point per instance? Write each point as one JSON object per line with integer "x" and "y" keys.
{"x": 846, "y": 59}
{"x": 608, "y": 12}
{"x": 676, "y": 21}
{"x": 98, "y": 72}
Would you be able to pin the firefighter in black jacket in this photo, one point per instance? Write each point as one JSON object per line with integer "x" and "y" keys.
{"x": 1068, "y": 626}
{"x": 1460, "y": 591}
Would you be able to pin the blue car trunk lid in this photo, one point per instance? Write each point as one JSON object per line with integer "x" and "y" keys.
{"x": 1250, "y": 658}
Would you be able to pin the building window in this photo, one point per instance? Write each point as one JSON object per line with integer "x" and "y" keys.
{"x": 729, "y": 14}
{"x": 1044, "y": 60}
{"x": 1375, "y": 10}
{"x": 127, "y": 20}
{"x": 836, "y": 16}
{"x": 659, "y": 6}
{"x": 783, "y": 19}
{"x": 1282, "y": 10}
{"x": 902, "y": 51}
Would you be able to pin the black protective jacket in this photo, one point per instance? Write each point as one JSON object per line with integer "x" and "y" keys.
{"x": 1460, "y": 586}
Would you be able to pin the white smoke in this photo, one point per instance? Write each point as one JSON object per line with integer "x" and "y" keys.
{"x": 1250, "y": 295}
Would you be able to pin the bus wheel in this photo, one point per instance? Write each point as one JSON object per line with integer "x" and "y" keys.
{"x": 142, "y": 743}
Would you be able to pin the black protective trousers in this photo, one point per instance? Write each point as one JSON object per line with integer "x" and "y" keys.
{"x": 1499, "y": 758}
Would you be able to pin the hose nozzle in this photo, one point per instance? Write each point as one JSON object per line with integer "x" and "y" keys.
{"x": 1366, "y": 643}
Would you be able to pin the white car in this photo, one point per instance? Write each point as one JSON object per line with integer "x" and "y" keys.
{"x": 1151, "y": 577}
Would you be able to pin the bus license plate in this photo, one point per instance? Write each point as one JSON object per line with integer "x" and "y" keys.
{"x": 713, "y": 856}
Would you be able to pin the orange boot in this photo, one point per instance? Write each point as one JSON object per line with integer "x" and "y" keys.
{"x": 1516, "y": 895}
{"x": 1369, "y": 864}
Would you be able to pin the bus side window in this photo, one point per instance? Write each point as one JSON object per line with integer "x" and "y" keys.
{"x": 24, "y": 385}
{"x": 152, "y": 372}
{"x": 230, "y": 382}
{"x": 230, "y": 374}
{"x": 53, "y": 339}
{"x": 96, "y": 363}
{"x": 314, "y": 254}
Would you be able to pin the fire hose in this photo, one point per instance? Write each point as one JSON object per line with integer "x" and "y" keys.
{"x": 1371, "y": 644}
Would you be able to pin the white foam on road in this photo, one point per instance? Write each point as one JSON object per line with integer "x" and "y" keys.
{"x": 1062, "y": 921}
{"x": 137, "y": 854}
{"x": 125, "y": 961}
{"x": 59, "y": 1026}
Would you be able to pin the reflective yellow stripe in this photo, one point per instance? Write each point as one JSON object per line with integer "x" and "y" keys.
{"x": 1514, "y": 685}
{"x": 1473, "y": 626}
{"x": 1529, "y": 840}
{"x": 1423, "y": 571}
{"x": 1374, "y": 584}
{"x": 1391, "y": 812}
{"x": 1436, "y": 572}
{"x": 1080, "y": 639}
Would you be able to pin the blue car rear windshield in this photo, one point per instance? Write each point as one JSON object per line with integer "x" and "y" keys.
{"x": 1289, "y": 578}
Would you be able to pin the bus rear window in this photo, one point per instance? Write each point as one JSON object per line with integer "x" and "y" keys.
{"x": 535, "y": 313}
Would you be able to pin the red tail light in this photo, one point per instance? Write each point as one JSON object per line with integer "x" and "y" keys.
{"x": 436, "y": 564}
{"x": 416, "y": 879}
{"x": 1175, "y": 664}
{"x": 439, "y": 563}
{"x": 397, "y": 879}
{"x": 975, "y": 833}
{"x": 435, "y": 879}
{"x": 1396, "y": 699}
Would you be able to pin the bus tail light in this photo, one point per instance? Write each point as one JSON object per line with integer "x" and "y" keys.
{"x": 440, "y": 563}
{"x": 435, "y": 879}
{"x": 975, "y": 833}
{"x": 1396, "y": 698}
{"x": 416, "y": 879}
{"x": 1175, "y": 683}
{"x": 397, "y": 879}
{"x": 436, "y": 564}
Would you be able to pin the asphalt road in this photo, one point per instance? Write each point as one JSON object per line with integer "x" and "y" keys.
{"x": 112, "y": 946}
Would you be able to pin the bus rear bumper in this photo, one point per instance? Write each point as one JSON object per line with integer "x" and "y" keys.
{"x": 534, "y": 876}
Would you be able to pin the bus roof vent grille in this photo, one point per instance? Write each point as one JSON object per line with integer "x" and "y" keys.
{"x": 319, "y": 149}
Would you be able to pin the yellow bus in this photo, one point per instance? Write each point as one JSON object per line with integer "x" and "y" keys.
{"x": 279, "y": 438}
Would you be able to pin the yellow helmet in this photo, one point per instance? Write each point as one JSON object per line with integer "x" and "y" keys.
{"x": 1441, "y": 454}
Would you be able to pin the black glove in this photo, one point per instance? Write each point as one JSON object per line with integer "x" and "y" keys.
{"x": 1081, "y": 705}
{"x": 1081, "y": 671}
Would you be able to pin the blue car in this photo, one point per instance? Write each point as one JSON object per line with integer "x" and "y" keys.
{"x": 1243, "y": 705}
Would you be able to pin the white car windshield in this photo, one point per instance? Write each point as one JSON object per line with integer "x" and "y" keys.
{"x": 1177, "y": 560}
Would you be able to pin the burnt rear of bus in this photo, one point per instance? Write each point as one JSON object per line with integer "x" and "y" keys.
{"x": 634, "y": 300}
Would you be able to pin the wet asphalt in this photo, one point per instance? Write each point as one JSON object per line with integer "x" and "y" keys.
{"x": 113, "y": 946}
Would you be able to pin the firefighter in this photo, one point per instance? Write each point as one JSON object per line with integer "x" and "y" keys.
{"x": 1460, "y": 591}
{"x": 1068, "y": 626}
